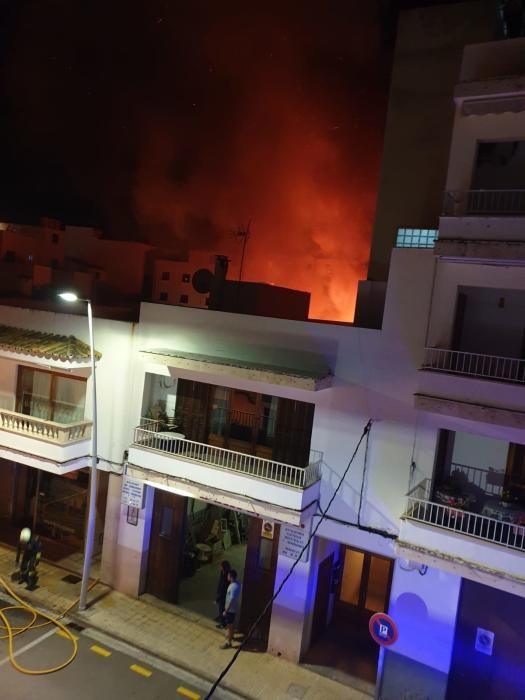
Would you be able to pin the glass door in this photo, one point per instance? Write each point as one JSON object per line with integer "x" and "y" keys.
{"x": 244, "y": 421}
{"x": 365, "y": 585}
{"x": 52, "y": 397}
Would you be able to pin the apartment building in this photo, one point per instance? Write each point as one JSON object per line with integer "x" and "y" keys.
{"x": 226, "y": 436}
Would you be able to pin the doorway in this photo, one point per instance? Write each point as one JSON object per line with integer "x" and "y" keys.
{"x": 189, "y": 540}
{"x": 53, "y": 506}
{"x": 342, "y": 648}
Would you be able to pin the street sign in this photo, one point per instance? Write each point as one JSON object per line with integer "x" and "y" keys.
{"x": 383, "y": 629}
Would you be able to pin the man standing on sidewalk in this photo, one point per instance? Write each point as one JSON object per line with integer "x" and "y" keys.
{"x": 232, "y": 605}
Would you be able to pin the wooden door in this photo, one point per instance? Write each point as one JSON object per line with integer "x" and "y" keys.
{"x": 193, "y": 409}
{"x": 166, "y": 545}
{"x": 293, "y": 432}
{"x": 259, "y": 581}
{"x": 322, "y": 597}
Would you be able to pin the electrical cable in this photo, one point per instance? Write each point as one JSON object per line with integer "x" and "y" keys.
{"x": 12, "y": 631}
{"x": 363, "y": 479}
{"x": 288, "y": 575}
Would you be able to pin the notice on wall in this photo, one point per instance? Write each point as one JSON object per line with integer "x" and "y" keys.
{"x": 292, "y": 540}
{"x": 132, "y": 493}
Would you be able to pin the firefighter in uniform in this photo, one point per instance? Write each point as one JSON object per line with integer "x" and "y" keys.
{"x": 30, "y": 550}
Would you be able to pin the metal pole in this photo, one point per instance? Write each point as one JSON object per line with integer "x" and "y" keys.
{"x": 92, "y": 513}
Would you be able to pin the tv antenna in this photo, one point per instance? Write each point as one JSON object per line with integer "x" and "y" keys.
{"x": 243, "y": 233}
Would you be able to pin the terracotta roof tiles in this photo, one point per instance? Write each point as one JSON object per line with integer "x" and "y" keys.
{"x": 65, "y": 348}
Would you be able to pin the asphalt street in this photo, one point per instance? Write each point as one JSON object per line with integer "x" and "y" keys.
{"x": 104, "y": 669}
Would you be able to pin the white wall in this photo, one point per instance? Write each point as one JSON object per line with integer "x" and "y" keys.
{"x": 424, "y": 609}
{"x": 466, "y": 134}
{"x": 450, "y": 276}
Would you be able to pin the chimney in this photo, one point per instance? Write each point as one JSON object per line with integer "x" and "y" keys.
{"x": 217, "y": 286}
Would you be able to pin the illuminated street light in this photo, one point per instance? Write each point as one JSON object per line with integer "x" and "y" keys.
{"x": 90, "y": 535}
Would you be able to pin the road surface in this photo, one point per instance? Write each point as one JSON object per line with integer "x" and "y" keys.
{"x": 105, "y": 669}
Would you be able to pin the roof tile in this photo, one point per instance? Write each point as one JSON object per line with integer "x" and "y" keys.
{"x": 50, "y": 346}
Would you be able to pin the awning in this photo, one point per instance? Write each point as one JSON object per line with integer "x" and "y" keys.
{"x": 311, "y": 375}
{"x": 55, "y": 349}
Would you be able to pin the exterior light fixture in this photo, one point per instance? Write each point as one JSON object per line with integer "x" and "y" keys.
{"x": 90, "y": 535}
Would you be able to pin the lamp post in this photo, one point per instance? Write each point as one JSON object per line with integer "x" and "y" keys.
{"x": 90, "y": 535}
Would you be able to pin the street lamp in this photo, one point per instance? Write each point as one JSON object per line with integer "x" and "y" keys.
{"x": 90, "y": 535}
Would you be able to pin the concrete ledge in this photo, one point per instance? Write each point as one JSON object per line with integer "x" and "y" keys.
{"x": 467, "y": 250}
{"x": 470, "y": 411}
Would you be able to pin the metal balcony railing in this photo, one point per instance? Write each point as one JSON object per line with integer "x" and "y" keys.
{"x": 484, "y": 203}
{"x": 422, "y": 509}
{"x": 45, "y": 430}
{"x": 490, "y": 481}
{"x": 506, "y": 369}
{"x": 148, "y": 437}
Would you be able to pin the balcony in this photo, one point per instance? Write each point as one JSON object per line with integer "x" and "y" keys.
{"x": 276, "y": 490}
{"x": 484, "y": 203}
{"x": 497, "y": 523}
{"x": 44, "y": 444}
{"x": 471, "y": 364}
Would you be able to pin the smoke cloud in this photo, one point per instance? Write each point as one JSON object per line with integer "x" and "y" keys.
{"x": 192, "y": 119}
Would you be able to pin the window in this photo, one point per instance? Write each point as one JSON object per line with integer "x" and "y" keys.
{"x": 50, "y": 396}
{"x": 165, "y": 276}
{"x": 163, "y": 296}
{"x": 185, "y": 277}
{"x": 54, "y": 238}
{"x": 416, "y": 237}
{"x": 183, "y": 299}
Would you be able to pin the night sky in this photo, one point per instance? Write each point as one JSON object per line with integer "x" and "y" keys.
{"x": 177, "y": 123}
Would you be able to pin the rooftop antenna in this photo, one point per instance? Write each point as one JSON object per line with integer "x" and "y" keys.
{"x": 243, "y": 233}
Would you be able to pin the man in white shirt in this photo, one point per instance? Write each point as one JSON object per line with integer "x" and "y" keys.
{"x": 231, "y": 607}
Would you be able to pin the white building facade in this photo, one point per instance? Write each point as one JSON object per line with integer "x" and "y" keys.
{"x": 251, "y": 423}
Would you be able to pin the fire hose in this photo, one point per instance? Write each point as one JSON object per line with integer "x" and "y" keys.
{"x": 12, "y": 631}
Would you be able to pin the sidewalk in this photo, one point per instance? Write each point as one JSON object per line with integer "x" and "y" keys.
{"x": 180, "y": 638}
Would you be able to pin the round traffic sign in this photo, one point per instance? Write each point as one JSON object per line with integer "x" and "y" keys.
{"x": 383, "y": 629}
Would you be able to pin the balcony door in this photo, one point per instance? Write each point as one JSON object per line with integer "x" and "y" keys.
{"x": 244, "y": 421}
{"x": 50, "y": 396}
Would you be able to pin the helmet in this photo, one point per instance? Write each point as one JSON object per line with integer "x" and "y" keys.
{"x": 25, "y": 535}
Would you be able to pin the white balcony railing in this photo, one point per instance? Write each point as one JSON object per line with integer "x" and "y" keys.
{"x": 506, "y": 369}
{"x": 148, "y": 437}
{"x": 484, "y": 203}
{"x": 45, "y": 430}
{"x": 422, "y": 509}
